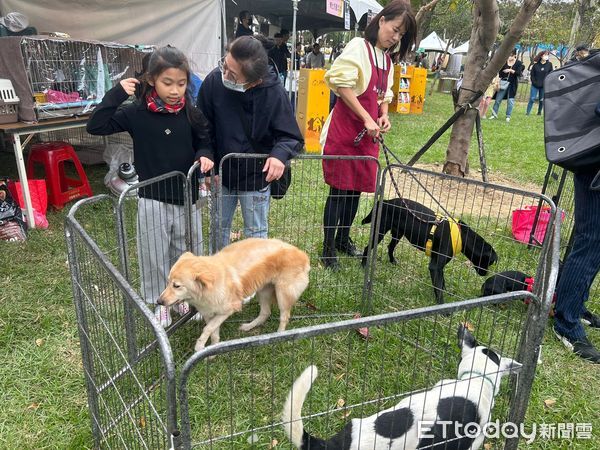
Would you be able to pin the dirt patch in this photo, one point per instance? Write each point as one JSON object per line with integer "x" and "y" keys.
{"x": 462, "y": 196}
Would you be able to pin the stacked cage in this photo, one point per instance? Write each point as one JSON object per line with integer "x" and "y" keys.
{"x": 69, "y": 77}
{"x": 147, "y": 388}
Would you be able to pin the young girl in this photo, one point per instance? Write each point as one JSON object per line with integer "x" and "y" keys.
{"x": 169, "y": 134}
{"x": 487, "y": 96}
{"x": 362, "y": 78}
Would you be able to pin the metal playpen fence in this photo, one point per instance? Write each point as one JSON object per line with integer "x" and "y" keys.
{"x": 146, "y": 389}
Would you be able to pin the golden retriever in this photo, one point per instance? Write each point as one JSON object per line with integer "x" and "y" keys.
{"x": 217, "y": 285}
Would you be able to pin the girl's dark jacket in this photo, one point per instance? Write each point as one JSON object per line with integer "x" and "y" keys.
{"x": 539, "y": 72}
{"x": 268, "y": 114}
{"x": 162, "y": 143}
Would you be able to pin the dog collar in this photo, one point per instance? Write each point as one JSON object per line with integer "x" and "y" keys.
{"x": 455, "y": 236}
{"x": 474, "y": 372}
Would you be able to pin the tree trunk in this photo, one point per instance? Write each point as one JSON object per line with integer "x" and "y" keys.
{"x": 477, "y": 76}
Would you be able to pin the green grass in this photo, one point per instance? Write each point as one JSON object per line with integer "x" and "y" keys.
{"x": 42, "y": 391}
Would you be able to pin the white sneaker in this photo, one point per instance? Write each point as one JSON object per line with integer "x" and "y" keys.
{"x": 163, "y": 315}
{"x": 508, "y": 119}
{"x": 492, "y": 117}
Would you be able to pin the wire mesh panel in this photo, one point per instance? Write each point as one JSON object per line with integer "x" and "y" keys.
{"x": 235, "y": 400}
{"x": 297, "y": 218}
{"x": 120, "y": 252}
{"x": 465, "y": 225}
{"x": 126, "y": 355}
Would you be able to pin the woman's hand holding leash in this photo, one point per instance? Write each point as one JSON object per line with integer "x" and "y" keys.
{"x": 128, "y": 85}
{"x": 384, "y": 123}
{"x": 274, "y": 169}
{"x": 372, "y": 127}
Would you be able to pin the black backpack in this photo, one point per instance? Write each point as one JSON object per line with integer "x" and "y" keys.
{"x": 572, "y": 115}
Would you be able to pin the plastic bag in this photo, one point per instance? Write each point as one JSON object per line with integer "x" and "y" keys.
{"x": 523, "y": 221}
{"x": 39, "y": 199}
{"x": 12, "y": 221}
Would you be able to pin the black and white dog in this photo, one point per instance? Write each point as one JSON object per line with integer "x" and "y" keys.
{"x": 434, "y": 419}
{"x": 416, "y": 223}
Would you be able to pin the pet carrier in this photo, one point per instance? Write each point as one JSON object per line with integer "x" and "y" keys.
{"x": 8, "y": 102}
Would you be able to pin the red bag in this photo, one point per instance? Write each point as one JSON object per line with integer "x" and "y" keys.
{"x": 524, "y": 219}
{"x": 39, "y": 199}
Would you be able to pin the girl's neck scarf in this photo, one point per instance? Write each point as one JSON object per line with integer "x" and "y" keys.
{"x": 155, "y": 104}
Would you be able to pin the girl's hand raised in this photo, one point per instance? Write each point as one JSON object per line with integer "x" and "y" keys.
{"x": 129, "y": 84}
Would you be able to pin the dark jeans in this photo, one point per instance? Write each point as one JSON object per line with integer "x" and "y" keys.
{"x": 582, "y": 264}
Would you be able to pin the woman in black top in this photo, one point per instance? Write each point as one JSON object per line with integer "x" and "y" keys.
{"x": 510, "y": 73}
{"x": 539, "y": 70}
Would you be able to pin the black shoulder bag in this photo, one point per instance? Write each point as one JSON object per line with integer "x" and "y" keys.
{"x": 278, "y": 187}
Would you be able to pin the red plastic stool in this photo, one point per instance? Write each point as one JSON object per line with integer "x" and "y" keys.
{"x": 61, "y": 189}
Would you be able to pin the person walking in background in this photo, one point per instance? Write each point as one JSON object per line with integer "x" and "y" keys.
{"x": 298, "y": 56}
{"x": 540, "y": 69}
{"x": 509, "y": 81}
{"x": 487, "y": 96}
{"x": 169, "y": 134}
{"x": 362, "y": 77}
{"x": 315, "y": 59}
{"x": 244, "y": 23}
{"x": 278, "y": 57}
{"x": 249, "y": 112}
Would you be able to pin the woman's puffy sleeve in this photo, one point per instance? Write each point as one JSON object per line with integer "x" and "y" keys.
{"x": 348, "y": 68}
{"x": 389, "y": 95}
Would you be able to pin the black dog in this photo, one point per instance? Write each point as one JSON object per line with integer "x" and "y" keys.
{"x": 502, "y": 282}
{"x": 415, "y": 222}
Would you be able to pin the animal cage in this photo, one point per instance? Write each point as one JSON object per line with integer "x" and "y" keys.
{"x": 147, "y": 389}
{"x": 66, "y": 77}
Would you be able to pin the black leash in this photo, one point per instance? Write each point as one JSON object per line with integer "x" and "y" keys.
{"x": 459, "y": 112}
{"x": 387, "y": 152}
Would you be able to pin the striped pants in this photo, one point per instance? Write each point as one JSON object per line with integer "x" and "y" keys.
{"x": 582, "y": 264}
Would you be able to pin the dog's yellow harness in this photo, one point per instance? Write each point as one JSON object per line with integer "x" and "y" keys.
{"x": 455, "y": 236}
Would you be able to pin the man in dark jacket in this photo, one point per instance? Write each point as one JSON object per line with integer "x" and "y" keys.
{"x": 249, "y": 112}
{"x": 278, "y": 56}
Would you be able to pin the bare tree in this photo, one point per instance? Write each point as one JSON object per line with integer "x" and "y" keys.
{"x": 583, "y": 29}
{"x": 478, "y": 75}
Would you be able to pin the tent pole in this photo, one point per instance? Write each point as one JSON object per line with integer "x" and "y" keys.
{"x": 292, "y": 76}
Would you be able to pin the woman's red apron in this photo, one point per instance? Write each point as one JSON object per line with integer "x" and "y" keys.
{"x": 344, "y": 125}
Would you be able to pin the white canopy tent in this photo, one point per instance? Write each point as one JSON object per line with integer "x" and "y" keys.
{"x": 462, "y": 48}
{"x": 193, "y": 26}
{"x": 362, "y": 7}
{"x": 434, "y": 43}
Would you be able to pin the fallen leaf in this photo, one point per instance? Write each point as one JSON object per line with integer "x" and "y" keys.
{"x": 310, "y": 306}
{"x": 340, "y": 376}
{"x": 549, "y": 402}
{"x": 142, "y": 422}
{"x": 39, "y": 342}
{"x": 363, "y": 332}
{"x": 274, "y": 443}
{"x": 34, "y": 406}
{"x": 469, "y": 326}
{"x": 487, "y": 446}
{"x": 341, "y": 402}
